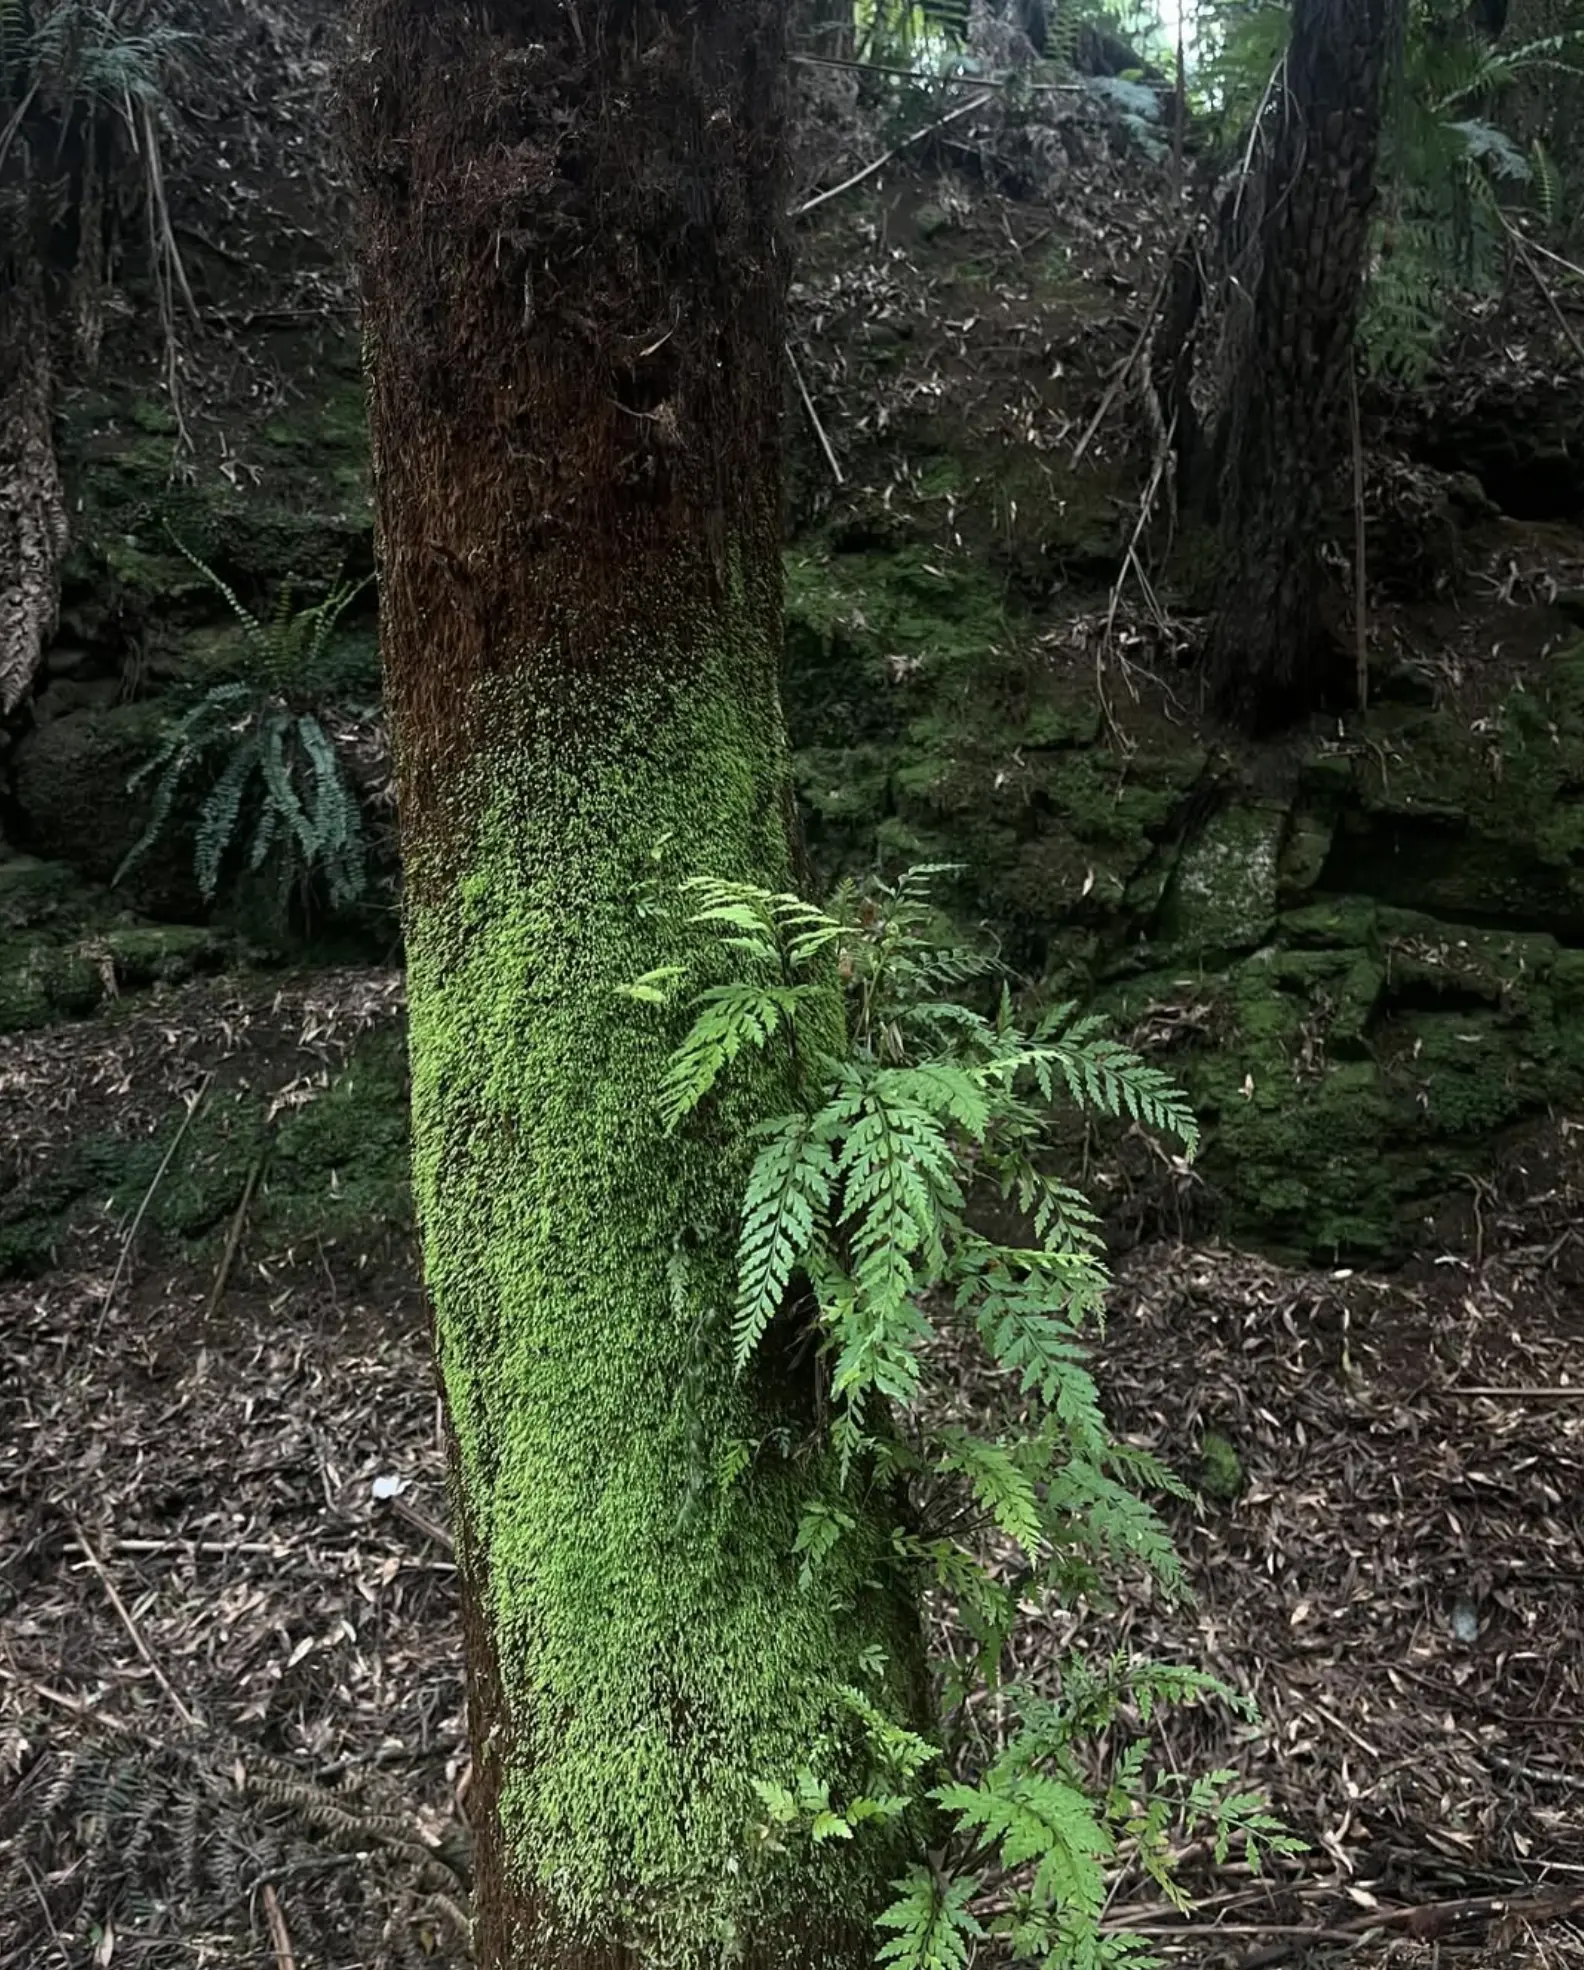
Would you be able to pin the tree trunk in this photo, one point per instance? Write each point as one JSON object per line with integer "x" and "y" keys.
{"x": 574, "y": 278}
{"x": 1285, "y": 397}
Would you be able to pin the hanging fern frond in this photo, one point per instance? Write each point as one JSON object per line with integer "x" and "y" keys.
{"x": 278, "y": 762}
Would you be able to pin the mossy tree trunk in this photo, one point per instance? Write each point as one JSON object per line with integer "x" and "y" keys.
{"x": 574, "y": 282}
{"x": 1298, "y": 277}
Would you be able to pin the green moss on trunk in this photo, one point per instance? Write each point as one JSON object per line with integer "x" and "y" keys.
{"x": 653, "y": 1661}
{"x": 576, "y": 316}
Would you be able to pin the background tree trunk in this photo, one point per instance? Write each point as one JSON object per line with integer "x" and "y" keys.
{"x": 1284, "y": 417}
{"x": 574, "y": 287}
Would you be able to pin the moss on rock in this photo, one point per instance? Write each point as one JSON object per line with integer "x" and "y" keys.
{"x": 66, "y": 947}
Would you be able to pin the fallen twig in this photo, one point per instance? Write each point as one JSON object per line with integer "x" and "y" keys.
{"x": 1560, "y": 1392}
{"x": 280, "y": 1936}
{"x": 131, "y": 1237}
{"x": 868, "y": 171}
{"x": 1526, "y": 255}
{"x": 234, "y": 1236}
{"x": 1360, "y": 598}
{"x": 814, "y": 417}
{"x": 142, "y": 1647}
{"x": 1426, "y": 1922}
{"x": 1536, "y": 1774}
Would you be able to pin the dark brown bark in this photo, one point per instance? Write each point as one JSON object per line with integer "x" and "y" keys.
{"x": 1284, "y": 404}
{"x": 574, "y": 275}
{"x": 574, "y": 289}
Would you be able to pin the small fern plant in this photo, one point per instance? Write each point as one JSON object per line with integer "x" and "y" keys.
{"x": 278, "y": 766}
{"x": 862, "y": 1214}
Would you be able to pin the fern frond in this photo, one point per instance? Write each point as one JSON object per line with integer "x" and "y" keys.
{"x": 1043, "y": 1820}
{"x": 263, "y": 836}
{"x": 934, "y": 1923}
{"x": 900, "y": 1751}
{"x": 1114, "y": 1521}
{"x": 789, "y": 1194}
{"x": 731, "y": 1018}
{"x": 998, "y": 1481}
{"x": 1493, "y": 148}
{"x": 1105, "y": 1075}
{"x": 278, "y": 782}
{"x": 217, "y": 824}
{"x": 248, "y": 621}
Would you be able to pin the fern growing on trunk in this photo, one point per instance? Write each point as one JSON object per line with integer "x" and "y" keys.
{"x": 860, "y": 1238}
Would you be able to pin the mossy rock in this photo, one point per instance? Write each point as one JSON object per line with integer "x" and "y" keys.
{"x": 66, "y": 947}
{"x": 69, "y": 782}
{"x": 334, "y": 1170}
{"x": 870, "y": 635}
{"x": 1220, "y": 1468}
{"x": 1223, "y": 892}
{"x": 339, "y": 1168}
{"x": 1355, "y": 1067}
{"x": 1477, "y": 824}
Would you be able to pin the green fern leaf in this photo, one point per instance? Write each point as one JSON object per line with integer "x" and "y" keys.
{"x": 789, "y": 1193}
{"x": 934, "y": 1924}
{"x": 731, "y": 1018}
{"x": 1001, "y": 1486}
{"x": 277, "y": 780}
{"x": 217, "y": 824}
{"x": 1043, "y": 1820}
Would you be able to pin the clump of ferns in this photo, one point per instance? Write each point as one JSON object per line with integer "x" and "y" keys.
{"x": 278, "y": 766}
{"x": 84, "y": 92}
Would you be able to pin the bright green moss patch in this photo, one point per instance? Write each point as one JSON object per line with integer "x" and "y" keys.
{"x": 1220, "y": 1468}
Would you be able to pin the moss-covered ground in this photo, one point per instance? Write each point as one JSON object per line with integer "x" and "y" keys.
{"x": 952, "y": 697}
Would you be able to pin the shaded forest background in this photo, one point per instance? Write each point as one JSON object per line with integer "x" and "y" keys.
{"x": 1357, "y": 935}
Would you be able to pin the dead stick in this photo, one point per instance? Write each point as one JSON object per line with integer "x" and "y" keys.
{"x": 814, "y": 417}
{"x": 1526, "y": 256}
{"x": 918, "y": 136}
{"x": 280, "y": 1936}
{"x": 233, "y": 1237}
{"x": 131, "y": 1626}
{"x": 131, "y": 1237}
{"x": 1536, "y": 1774}
{"x": 1123, "y": 370}
{"x": 1557, "y": 1394}
{"x": 1360, "y": 612}
{"x": 1425, "y": 1921}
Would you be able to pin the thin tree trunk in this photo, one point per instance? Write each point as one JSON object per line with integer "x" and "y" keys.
{"x": 574, "y": 288}
{"x": 33, "y": 524}
{"x": 1268, "y": 658}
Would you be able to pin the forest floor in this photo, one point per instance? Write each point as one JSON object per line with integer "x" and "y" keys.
{"x": 230, "y": 1693}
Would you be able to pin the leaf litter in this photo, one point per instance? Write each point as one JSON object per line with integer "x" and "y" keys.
{"x": 231, "y": 1701}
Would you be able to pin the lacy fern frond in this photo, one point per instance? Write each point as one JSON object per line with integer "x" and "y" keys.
{"x": 731, "y": 1018}
{"x": 860, "y": 1222}
{"x": 935, "y": 1927}
{"x": 788, "y": 1198}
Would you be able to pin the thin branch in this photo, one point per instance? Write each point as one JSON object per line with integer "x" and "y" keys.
{"x": 1559, "y": 1393}
{"x": 1522, "y": 248}
{"x": 918, "y": 136}
{"x": 1123, "y": 370}
{"x": 142, "y": 1647}
{"x": 280, "y": 1935}
{"x": 814, "y": 417}
{"x": 234, "y": 1236}
{"x": 131, "y": 1237}
{"x": 1360, "y": 613}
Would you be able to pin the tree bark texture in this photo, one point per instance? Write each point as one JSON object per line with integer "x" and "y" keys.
{"x": 1284, "y": 406}
{"x": 574, "y": 279}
